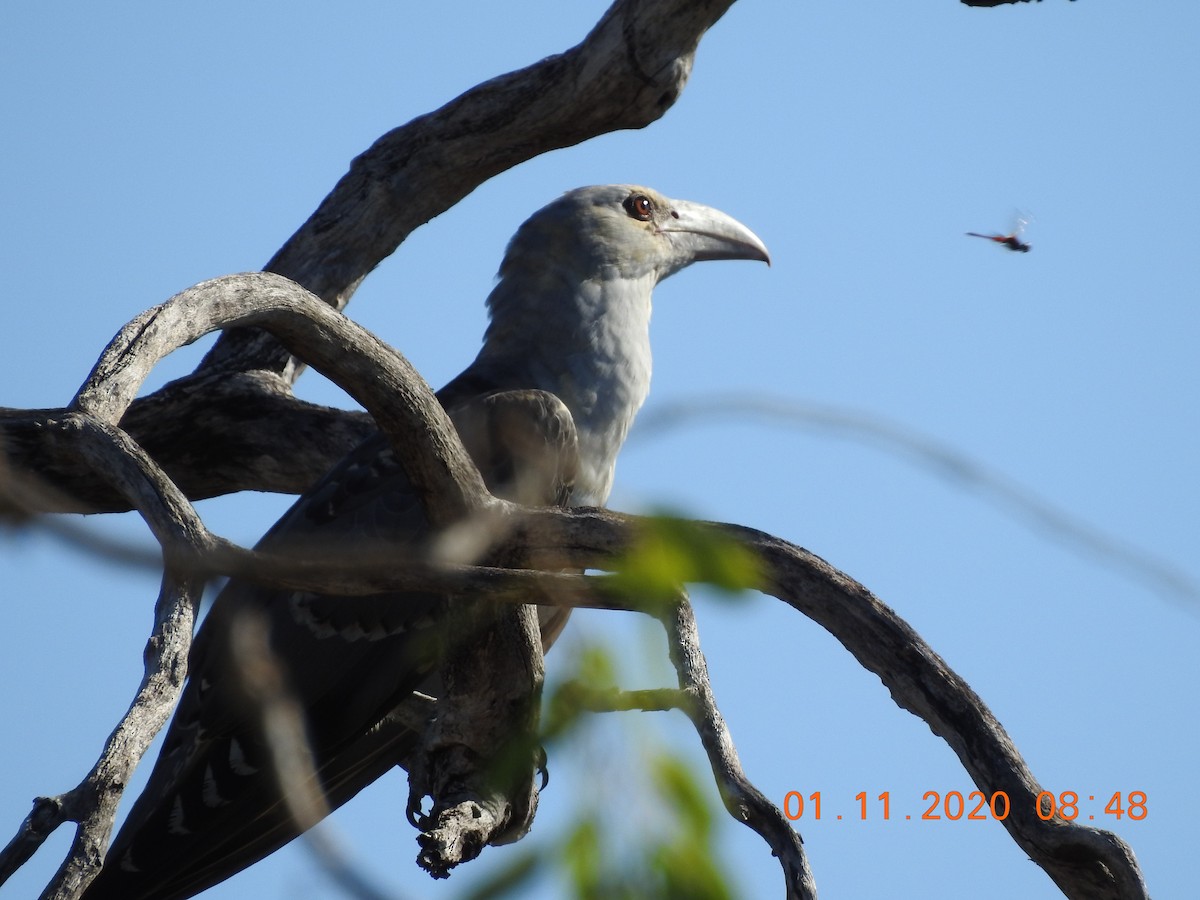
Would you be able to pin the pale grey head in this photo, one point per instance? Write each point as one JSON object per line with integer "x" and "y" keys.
{"x": 571, "y": 311}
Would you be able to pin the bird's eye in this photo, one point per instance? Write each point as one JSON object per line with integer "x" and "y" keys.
{"x": 639, "y": 206}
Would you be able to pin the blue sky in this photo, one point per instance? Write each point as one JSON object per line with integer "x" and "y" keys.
{"x": 149, "y": 146}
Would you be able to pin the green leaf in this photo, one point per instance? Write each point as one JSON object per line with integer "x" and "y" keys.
{"x": 671, "y": 550}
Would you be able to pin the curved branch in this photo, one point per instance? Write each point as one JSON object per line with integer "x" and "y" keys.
{"x": 128, "y": 469}
{"x": 378, "y": 377}
{"x": 1084, "y": 862}
{"x": 93, "y": 803}
{"x": 742, "y": 799}
{"x": 626, "y": 73}
{"x": 212, "y": 435}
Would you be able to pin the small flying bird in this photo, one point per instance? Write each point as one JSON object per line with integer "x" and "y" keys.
{"x": 543, "y": 410}
{"x": 1012, "y": 241}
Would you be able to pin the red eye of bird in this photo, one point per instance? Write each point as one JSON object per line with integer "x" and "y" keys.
{"x": 639, "y": 206}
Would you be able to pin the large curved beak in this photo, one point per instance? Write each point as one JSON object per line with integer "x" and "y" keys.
{"x": 699, "y": 232}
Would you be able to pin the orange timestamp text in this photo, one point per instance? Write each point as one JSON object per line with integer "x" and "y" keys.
{"x": 975, "y": 806}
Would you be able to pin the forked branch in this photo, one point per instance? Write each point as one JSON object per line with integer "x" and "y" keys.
{"x": 625, "y": 74}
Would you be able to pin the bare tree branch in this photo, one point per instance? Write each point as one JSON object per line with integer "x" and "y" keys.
{"x": 626, "y": 73}
{"x": 395, "y": 395}
{"x": 174, "y": 522}
{"x": 743, "y": 800}
{"x": 208, "y": 430}
{"x": 213, "y": 435}
{"x": 377, "y": 376}
{"x": 1086, "y": 863}
{"x": 93, "y": 803}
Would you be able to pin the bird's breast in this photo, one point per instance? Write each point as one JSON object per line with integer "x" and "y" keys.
{"x": 604, "y": 400}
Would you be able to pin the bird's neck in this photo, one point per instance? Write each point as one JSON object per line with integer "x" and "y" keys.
{"x": 590, "y": 346}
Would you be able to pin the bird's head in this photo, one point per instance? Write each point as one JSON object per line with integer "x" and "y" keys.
{"x": 628, "y": 232}
{"x": 571, "y": 311}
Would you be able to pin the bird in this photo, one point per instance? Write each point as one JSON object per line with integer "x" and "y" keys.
{"x": 543, "y": 410}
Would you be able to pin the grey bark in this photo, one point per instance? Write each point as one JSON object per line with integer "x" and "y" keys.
{"x": 233, "y": 425}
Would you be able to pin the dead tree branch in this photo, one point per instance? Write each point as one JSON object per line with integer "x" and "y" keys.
{"x": 233, "y": 424}
{"x": 193, "y": 438}
{"x": 397, "y": 398}
{"x": 742, "y": 799}
{"x": 93, "y": 803}
{"x": 625, "y": 74}
{"x": 1086, "y": 863}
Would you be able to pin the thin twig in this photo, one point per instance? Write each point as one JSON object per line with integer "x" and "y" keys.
{"x": 93, "y": 803}
{"x": 745, "y": 802}
{"x": 945, "y": 462}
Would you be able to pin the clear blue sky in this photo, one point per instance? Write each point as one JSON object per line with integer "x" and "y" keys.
{"x": 146, "y": 147}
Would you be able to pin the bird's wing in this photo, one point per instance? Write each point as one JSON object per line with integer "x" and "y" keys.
{"x": 526, "y": 445}
{"x": 212, "y": 805}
